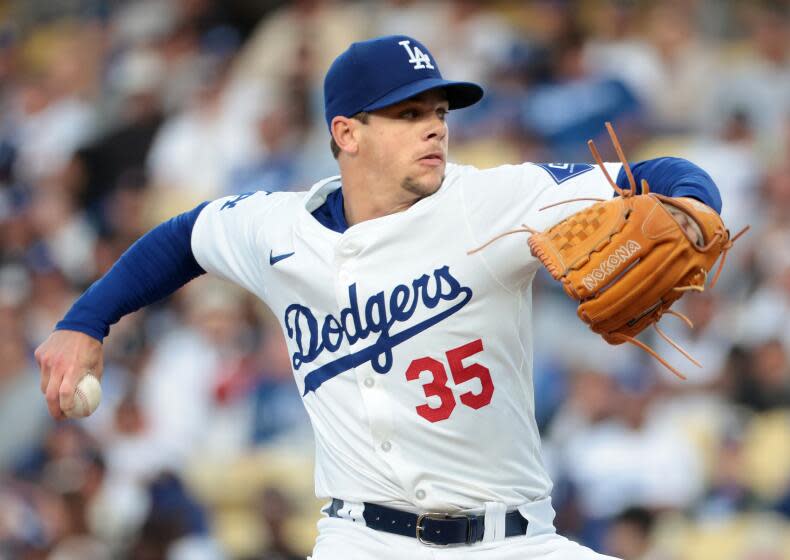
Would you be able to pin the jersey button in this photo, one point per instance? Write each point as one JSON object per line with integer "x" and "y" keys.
{"x": 369, "y": 382}
{"x": 420, "y": 494}
{"x": 349, "y": 250}
{"x": 386, "y": 446}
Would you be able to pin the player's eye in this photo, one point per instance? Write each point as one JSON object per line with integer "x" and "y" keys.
{"x": 409, "y": 114}
{"x": 441, "y": 113}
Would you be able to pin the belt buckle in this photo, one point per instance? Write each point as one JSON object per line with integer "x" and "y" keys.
{"x": 438, "y": 516}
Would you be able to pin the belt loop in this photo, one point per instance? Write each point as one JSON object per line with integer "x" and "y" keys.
{"x": 353, "y": 511}
{"x": 494, "y": 521}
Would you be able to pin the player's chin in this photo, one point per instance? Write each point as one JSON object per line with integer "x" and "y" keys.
{"x": 423, "y": 185}
{"x": 430, "y": 177}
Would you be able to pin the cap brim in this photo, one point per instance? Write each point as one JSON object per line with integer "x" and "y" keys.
{"x": 459, "y": 94}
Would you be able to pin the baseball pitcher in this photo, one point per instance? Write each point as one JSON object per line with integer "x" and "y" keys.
{"x": 413, "y": 357}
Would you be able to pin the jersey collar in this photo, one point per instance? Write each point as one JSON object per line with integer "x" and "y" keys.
{"x": 317, "y": 194}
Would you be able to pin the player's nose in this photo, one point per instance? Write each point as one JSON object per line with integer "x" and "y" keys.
{"x": 436, "y": 129}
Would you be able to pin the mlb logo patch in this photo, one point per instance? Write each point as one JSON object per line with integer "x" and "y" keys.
{"x": 561, "y": 172}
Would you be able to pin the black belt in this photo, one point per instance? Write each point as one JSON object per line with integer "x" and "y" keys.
{"x": 436, "y": 529}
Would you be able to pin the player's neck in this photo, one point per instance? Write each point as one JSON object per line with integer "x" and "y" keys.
{"x": 366, "y": 200}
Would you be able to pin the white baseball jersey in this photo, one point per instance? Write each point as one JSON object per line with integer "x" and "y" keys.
{"x": 414, "y": 358}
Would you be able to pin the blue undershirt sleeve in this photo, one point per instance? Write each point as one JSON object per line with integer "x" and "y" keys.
{"x": 672, "y": 176}
{"x": 155, "y": 266}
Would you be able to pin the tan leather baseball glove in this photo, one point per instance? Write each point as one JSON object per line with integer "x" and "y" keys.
{"x": 628, "y": 259}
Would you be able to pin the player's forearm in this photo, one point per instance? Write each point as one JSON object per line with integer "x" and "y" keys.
{"x": 156, "y": 265}
{"x": 675, "y": 177}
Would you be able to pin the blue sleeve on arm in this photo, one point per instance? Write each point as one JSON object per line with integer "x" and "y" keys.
{"x": 155, "y": 266}
{"x": 674, "y": 177}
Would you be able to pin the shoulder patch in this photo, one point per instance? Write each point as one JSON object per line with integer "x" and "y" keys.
{"x": 561, "y": 172}
{"x": 232, "y": 203}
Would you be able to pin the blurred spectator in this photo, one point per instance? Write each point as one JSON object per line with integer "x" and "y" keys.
{"x": 618, "y": 48}
{"x": 732, "y": 161}
{"x": 279, "y": 415}
{"x": 662, "y": 58}
{"x": 763, "y": 315}
{"x": 123, "y": 211}
{"x": 757, "y": 83}
{"x": 47, "y": 125}
{"x": 78, "y": 539}
{"x": 21, "y": 405}
{"x": 8, "y": 55}
{"x": 83, "y": 547}
{"x": 574, "y": 103}
{"x": 120, "y": 504}
{"x": 50, "y": 295}
{"x": 276, "y": 166}
{"x": 31, "y": 521}
{"x": 727, "y": 493}
{"x": 66, "y": 237}
{"x": 100, "y": 166}
{"x": 176, "y": 389}
{"x": 129, "y": 452}
{"x": 683, "y": 64}
{"x": 765, "y": 383}
{"x": 629, "y": 535}
{"x": 618, "y": 451}
{"x": 176, "y": 526}
{"x": 193, "y": 153}
{"x": 48, "y": 115}
{"x": 303, "y": 36}
{"x": 777, "y": 192}
{"x": 275, "y": 510}
{"x": 707, "y": 342}
{"x": 471, "y": 41}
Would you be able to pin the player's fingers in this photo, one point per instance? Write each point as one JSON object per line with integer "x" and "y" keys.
{"x": 53, "y": 393}
{"x": 97, "y": 369}
{"x": 692, "y": 230}
{"x": 66, "y": 390}
{"x": 688, "y": 225}
{"x": 43, "y": 365}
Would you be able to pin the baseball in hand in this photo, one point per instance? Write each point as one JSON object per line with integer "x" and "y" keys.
{"x": 87, "y": 396}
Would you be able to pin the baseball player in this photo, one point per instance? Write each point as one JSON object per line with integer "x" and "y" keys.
{"x": 414, "y": 358}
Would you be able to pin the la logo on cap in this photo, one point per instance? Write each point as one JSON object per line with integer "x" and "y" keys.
{"x": 416, "y": 56}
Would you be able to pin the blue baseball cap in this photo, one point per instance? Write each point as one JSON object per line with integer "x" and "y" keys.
{"x": 383, "y": 71}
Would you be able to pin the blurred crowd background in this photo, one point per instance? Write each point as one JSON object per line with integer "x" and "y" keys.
{"x": 115, "y": 115}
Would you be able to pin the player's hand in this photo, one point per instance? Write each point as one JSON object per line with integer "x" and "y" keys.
{"x": 63, "y": 359}
{"x": 688, "y": 225}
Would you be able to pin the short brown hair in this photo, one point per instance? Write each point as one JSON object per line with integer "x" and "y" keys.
{"x": 362, "y": 117}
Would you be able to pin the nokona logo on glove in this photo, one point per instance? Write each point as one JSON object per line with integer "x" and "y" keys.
{"x": 620, "y": 256}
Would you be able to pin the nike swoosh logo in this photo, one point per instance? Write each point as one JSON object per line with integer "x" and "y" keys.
{"x": 275, "y": 259}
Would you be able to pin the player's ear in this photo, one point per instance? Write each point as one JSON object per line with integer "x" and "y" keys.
{"x": 343, "y": 131}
